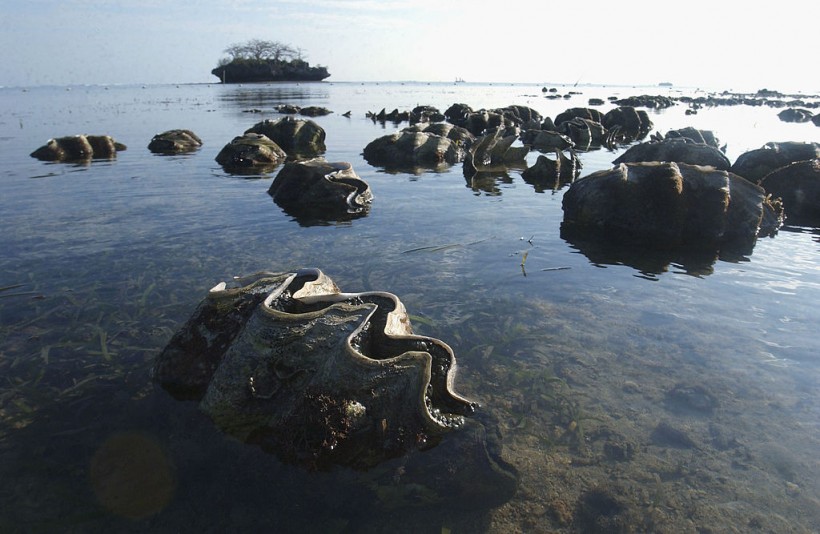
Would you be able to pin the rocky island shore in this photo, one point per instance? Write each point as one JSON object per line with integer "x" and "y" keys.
{"x": 266, "y": 61}
{"x": 245, "y": 71}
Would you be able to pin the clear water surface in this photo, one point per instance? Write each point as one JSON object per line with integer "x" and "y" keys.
{"x": 594, "y": 370}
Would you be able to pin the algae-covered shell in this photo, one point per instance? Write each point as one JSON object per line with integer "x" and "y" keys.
{"x": 78, "y": 148}
{"x": 174, "y": 142}
{"x": 280, "y": 354}
{"x": 250, "y": 150}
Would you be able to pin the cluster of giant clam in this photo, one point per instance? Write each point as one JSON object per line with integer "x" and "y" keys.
{"x": 321, "y": 377}
{"x": 677, "y": 190}
{"x": 489, "y": 142}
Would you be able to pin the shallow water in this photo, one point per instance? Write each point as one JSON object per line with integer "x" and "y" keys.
{"x": 591, "y": 369}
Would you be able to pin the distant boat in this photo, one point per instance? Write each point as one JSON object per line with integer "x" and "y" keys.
{"x": 459, "y": 80}
{"x": 665, "y": 84}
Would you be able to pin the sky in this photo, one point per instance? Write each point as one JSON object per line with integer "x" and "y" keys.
{"x": 715, "y": 44}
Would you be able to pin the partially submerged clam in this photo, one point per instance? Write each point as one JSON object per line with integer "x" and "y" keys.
{"x": 78, "y": 148}
{"x": 670, "y": 205}
{"x": 317, "y": 376}
{"x": 493, "y": 152}
{"x": 251, "y": 151}
{"x": 300, "y": 138}
{"x": 318, "y": 190}
{"x": 412, "y": 148}
{"x": 174, "y": 142}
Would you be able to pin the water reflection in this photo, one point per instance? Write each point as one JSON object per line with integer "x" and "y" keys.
{"x": 578, "y": 382}
{"x": 552, "y": 185}
{"x": 414, "y": 170}
{"x": 251, "y": 171}
{"x": 312, "y": 215}
{"x": 649, "y": 261}
{"x": 72, "y": 166}
{"x": 269, "y": 95}
{"x": 814, "y": 232}
{"x": 542, "y": 184}
{"x": 318, "y": 191}
{"x": 488, "y": 182}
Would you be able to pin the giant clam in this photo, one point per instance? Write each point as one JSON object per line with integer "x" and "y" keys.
{"x": 174, "y": 142}
{"x": 318, "y": 190}
{"x": 319, "y": 377}
{"x": 670, "y": 205}
{"x": 78, "y": 148}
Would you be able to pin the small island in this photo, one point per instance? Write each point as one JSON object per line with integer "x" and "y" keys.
{"x": 266, "y": 61}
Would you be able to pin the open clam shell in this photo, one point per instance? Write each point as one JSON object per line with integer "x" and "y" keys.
{"x": 315, "y": 375}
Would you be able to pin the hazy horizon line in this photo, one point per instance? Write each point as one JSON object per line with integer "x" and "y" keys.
{"x": 544, "y": 84}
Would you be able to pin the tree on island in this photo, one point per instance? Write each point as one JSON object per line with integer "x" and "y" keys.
{"x": 260, "y": 50}
{"x": 258, "y": 60}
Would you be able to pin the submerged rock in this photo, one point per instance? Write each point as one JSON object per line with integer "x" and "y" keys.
{"x": 691, "y": 399}
{"x": 666, "y": 435}
{"x": 599, "y": 511}
{"x": 78, "y": 148}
